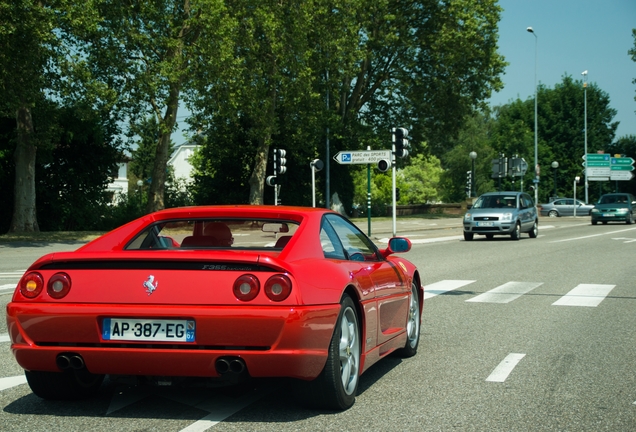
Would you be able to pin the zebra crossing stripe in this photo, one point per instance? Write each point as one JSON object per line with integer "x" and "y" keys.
{"x": 590, "y": 295}
{"x": 8, "y": 382}
{"x": 441, "y": 287}
{"x": 505, "y": 293}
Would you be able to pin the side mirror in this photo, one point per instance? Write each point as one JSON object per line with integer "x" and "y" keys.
{"x": 397, "y": 245}
{"x": 469, "y": 206}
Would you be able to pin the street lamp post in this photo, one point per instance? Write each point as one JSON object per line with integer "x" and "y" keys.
{"x": 536, "y": 152}
{"x": 584, "y": 73}
{"x": 473, "y": 191}
{"x": 555, "y": 165}
{"x": 576, "y": 180}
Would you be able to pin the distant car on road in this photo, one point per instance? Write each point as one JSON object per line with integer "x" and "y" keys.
{"x": 614, "y": 207}
{"x": 502, "y": 213}
{"x": 565, "y": 207}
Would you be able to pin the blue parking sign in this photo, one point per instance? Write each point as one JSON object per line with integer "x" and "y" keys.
{"x": 345, "y": 157}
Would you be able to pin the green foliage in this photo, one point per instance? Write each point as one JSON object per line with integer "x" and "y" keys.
{"x": 72, "y": 175}
{"x": 561, "y": 137}
{"x": 420, "y": 180}
{"x": 418, "y": 184}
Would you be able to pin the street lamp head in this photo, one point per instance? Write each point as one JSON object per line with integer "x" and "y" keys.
{"x": 530, "y": 30}
{"x": 584, "y": 73}
{"x": 472, "y": 155}
{"x": 555, "y": 164}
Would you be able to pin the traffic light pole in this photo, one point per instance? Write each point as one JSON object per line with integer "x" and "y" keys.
{"x": 393, "y": 195}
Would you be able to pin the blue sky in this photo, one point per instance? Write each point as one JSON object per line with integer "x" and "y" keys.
{"x": 573, "y": 36}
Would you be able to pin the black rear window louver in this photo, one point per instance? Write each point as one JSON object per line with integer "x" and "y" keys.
{"x": 155, "y": 265}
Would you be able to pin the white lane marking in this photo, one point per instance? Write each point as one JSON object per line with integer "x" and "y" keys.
{"x": 593, "y": 235}
{"x": 589, "y": 295}
{"x": 626, "y": 239}
{"x": 8, "y": 287}
{"x": 430, "y": 240}
{"x": 504, "y": 368}
{"x": 220, "y": 409}
{"x": 441, "y": 287}
{"x": 505, "y": 293}
{"x": 7, "y": 383}
{"x": 5, "y": 338}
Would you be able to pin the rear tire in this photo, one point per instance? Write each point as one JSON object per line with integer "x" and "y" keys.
{"x": 534, "y": 232}
{"x": 336, "y": 386}
{"x": 69, "y": 385}
{"x": 412, "y": 326}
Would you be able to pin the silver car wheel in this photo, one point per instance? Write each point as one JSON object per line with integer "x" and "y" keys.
{"x": 553, "y": 213}
{"x": 349, "y": 350}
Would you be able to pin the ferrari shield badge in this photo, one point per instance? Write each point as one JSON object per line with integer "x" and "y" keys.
{"x": 149, "y": 285}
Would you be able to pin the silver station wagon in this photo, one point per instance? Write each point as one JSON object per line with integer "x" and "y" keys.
{"x": 502, "y": 213}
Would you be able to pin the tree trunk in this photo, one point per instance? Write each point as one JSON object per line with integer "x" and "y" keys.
{"x": 24, "y": 217}
{"x": 156, "y": 192}
{"x": 257, "y": 179}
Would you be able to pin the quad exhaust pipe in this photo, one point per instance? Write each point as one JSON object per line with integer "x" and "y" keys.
{"x": 70, "y": 361}
{"x": 234, "y": 365}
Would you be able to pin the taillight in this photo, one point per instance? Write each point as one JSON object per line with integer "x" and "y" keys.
{"x": 59, "y": 285}
{"x": 246, "y": 287}
{"x": 31, "y": 285}
{"x": 278, "y": 287}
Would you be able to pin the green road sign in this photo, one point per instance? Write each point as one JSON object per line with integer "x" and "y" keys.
{"x": 622, "y": 168}
{"x": 596, "y": 157}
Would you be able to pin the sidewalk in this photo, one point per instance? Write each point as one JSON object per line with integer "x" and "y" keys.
{"x": 383, "y": 227}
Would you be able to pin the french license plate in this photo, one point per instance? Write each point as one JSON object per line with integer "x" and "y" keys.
{"x": 485, "y": 224}
{"x": 154, "y": 330}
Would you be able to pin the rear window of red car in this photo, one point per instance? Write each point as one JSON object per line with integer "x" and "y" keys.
{"x": 215, "y": 233}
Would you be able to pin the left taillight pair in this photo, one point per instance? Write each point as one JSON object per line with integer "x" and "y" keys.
{"x": 32, "y": 284}
{"x": 277, "y": 287}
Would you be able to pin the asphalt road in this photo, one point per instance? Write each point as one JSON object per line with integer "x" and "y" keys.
{"x": 529, "y": 335}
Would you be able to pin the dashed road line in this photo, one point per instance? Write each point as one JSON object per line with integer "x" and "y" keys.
{"x": 501, "y": 372}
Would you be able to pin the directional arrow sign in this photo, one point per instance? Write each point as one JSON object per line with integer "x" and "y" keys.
{"x": 596, "y": 157}
{"x": 347, "y": 157}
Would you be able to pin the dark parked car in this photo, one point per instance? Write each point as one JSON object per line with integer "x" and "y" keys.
{"x": 502, "y": 213}
{"x": 614, "y": 207}
{"x": 565, "y": 207}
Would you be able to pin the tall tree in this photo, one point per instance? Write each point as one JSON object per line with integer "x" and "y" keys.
{"x": 561, "y": 129}
{"x": 28, "y": 46}
{"x": 354, "y": 68}
{"x": 147, "y": 52}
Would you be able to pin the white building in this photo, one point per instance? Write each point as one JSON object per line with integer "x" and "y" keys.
{"x": 120, "y": 182}
{"x": 180, "y": 162}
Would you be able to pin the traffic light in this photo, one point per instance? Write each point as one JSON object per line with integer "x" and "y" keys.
{"x": 279, "y": 161}
{"x": 271, "y": 180}
{"x": 469, "y": 183}
{"x": 402, "y": 145}
{"x": 384, "y": 165}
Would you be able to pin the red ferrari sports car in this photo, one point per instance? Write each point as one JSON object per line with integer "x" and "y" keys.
{"x": 218, "y": 294}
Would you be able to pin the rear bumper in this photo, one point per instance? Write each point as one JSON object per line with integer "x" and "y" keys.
{"x": 272, "y": 341}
